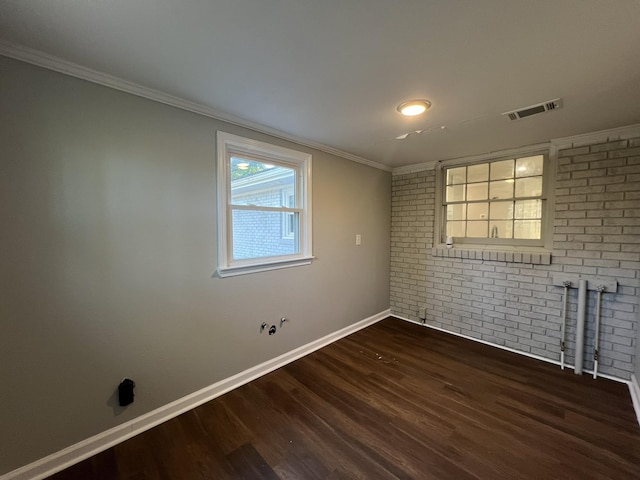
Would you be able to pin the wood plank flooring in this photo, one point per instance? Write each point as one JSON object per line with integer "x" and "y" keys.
{"x": 395, "y": 400}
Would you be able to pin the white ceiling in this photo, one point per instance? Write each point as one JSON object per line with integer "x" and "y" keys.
{"x": 333, "y": 71}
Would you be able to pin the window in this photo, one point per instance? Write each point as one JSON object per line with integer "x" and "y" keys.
{"x": 264, "y": 206}
{"x": 497, "y": 202}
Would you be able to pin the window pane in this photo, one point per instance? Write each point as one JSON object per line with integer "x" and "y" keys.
{"x": 456, "y": 212}
{"x": 501, "y": 189}
{"x": 501, "y": 210}
{"x": 260, "y": 184}
{"x": 455, "y": 193}
{"x": 478, "y": 173}
{"x": 529, "y": 209}
{"x": 456, "y": 175}
{"x": 529, "y": 166}
{"x": 478, "y": 211}
{"x": 477, "y": 191}
{"x": 527, "y": 229}
{"x": 258, "y": 234}
{"x": 501, "y": 170}
{"x": 501, "y": 229}
{"x": 478, "y": 229}
{"x": 529, "y": 187}
{"x": 455, "y": 229}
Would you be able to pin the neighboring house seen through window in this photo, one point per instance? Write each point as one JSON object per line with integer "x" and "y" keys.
{"x": 264, "y": 206}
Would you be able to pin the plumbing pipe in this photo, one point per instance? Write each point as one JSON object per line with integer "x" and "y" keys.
{"x": 582, "y": 313}
{"x": 566, "y": 284}
{"x": 600, "y": 289}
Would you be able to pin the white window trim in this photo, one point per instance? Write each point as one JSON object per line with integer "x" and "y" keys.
{"x": 228, "y": 145}
{"x": 514, "y": 245}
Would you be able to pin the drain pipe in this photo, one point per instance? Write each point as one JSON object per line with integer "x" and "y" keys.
{"x": 566, "y": 284}
{"x": 600, "y": 289}
{"x": 582, "y": 313}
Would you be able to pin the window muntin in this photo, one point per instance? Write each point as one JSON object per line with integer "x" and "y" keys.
{"x": 497, "y": 202}
{"x": 254, "y": 213}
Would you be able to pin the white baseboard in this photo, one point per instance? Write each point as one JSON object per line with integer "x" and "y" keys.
{"x": 91, "y": 446}
{"x": 512, "y": 350}
{"x": 634, "y": 389}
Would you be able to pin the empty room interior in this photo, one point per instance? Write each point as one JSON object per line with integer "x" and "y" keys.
{"x": 319, "y": 240}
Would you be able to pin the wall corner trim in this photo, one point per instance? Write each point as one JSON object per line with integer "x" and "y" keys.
{"x": 84, "y": 449}
{"x": 50, "y": 62}
{"x": 634, "y": 389}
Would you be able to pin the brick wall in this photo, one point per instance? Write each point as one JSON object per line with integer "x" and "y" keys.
{"x": 516, "y": 305}
{"x": 259, "y": 233}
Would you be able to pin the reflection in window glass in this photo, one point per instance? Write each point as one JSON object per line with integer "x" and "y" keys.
{"x": 456, "y": 212}
{"x": 456, "y": 229}
{"x": 477, "y": 191}
{"x": 248, "y": 178}
{"x": 501, "y": 229}
{"x": 456, "y": 193}
{"x": 529, "y": 187}
{"x": 456, "y": 175}
{"x": 501, "y": 189}
{"x": 478, "y": 211}
{"x": 528, "y": 209}
{"x": 529, "y": 166}
{"x": 478, "y": 173}
{"x": 526, "y": 229}
{"x": 478, "y": 229}
{"x": 502, "y": 170}
{"x": 501, "y": 210}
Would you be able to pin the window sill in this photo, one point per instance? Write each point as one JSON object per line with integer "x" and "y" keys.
{"x": 224, "y": 272}
{"x": 534, "y": 256}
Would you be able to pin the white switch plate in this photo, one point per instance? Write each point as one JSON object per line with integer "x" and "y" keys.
{"x": 358, "y": 240}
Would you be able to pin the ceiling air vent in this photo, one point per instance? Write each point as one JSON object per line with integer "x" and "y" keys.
{"x": 534, "y": 109}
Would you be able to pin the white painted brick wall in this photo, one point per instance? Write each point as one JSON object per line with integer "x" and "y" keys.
{"x": 596, "y": 233}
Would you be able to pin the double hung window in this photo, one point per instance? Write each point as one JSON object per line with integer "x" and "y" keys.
{"x": 264, "y": 196}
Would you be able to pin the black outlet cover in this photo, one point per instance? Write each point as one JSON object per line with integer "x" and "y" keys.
{"x": 125, "y": 392}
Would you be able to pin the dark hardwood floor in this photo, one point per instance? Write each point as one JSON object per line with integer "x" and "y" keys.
{"x": 394, "y": 401}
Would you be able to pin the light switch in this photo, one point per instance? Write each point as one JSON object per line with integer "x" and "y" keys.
{"x": 358, "y": 240}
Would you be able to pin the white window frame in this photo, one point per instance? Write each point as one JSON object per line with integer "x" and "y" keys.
{"x": 287, "y": 234}
{"x": 229, "y": 145}
{"x": 548, "y": 184}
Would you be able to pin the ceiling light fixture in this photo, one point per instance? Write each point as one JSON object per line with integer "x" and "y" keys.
{"x": 414, "y": 107}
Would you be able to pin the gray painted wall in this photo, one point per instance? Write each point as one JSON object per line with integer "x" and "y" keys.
{"x": 108, "y": 245}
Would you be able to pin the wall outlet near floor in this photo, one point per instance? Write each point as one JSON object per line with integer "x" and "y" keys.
{"x": 422, "y": 313}
{"x": 358, "y": 240}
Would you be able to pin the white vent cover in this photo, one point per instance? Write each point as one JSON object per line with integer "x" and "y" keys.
{"x": 534, "y": 109}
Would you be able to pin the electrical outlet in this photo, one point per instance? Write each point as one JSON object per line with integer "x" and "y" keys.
{"x": 358, "y": 240}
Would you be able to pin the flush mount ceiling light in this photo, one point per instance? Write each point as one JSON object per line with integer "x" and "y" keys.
{"x": 414, "y": 107}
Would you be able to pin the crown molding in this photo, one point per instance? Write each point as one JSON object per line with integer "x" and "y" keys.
{"x": 602, "y": 136}
{"x": 44, "y": 60}
{"x": 416, "y": 167}
{"x": 471, "y": 158}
